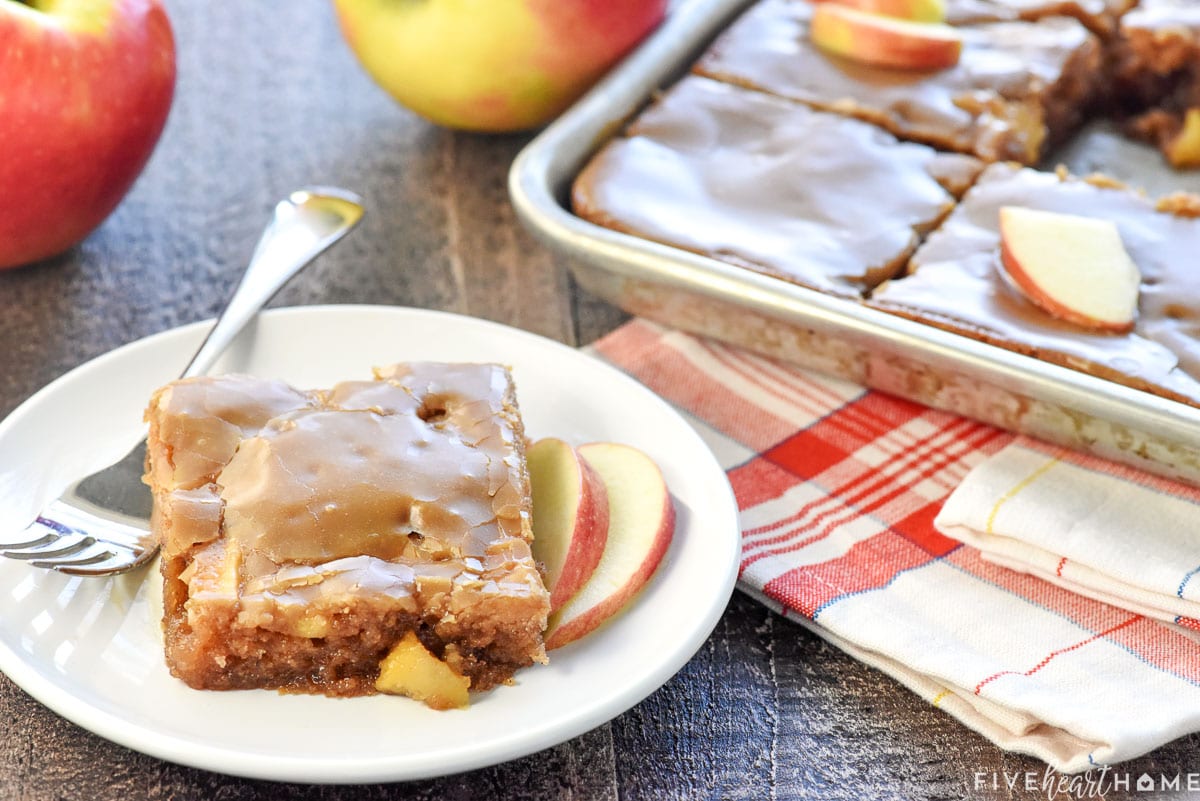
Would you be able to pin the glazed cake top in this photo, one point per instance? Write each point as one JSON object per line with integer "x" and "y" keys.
{"x": 956, "y": 277}
{"x": 770, "y": 184}
{"x": 988, "y": 104}
{"x": 373, "y": 483}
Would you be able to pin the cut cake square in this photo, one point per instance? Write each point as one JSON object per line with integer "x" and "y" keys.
{"x": 304, "y": 533}
{"x": 818, "y": 199}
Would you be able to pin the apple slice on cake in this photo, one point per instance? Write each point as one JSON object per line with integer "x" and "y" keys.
{"x": 1073, "y": 268}
{"x": 884, "y": 41}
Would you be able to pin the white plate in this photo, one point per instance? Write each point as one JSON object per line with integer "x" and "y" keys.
{"x": 90, "y": 650}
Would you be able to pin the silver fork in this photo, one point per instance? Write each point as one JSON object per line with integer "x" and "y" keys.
{"x": 99, "y": 526}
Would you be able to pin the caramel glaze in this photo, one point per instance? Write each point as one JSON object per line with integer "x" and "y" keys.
{"x": 1018, "y": 89}
{"x": 771, "y": 185}
{"x": 199, "y": 424}
{"x": 394, "y": 490}
{"x": 1100, "y": 16}
{"x": 957, "y": 282}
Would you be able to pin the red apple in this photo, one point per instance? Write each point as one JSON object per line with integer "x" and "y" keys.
{"x": 492, "y": 65}
{"x": 1074, "y": 268}
{"x": 570, "y": 517}
{"x": 884, "y": 41}
{"x": 84, "y": 92}
{"x": 641, "y": 523}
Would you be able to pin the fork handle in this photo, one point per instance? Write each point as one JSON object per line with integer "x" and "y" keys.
{"x": 303, "y": 225}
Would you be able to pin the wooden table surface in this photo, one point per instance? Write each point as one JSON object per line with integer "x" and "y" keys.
{"x": 269, "y": 98}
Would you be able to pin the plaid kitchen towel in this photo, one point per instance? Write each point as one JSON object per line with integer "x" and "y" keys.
{"x": 838, "y": 488}
{"x": 1106, "y": 531}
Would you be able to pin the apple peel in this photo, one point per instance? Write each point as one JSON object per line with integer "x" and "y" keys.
{"x": 1072, "y": 267}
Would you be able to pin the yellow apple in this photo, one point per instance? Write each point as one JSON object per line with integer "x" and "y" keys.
{"x": 492, "y": 65}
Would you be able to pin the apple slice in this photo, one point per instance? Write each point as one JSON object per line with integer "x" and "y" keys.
{"x": 914, "y": 10}
{"x": 1074, "y": 268}
{"x": 881, "y": 40}
{"x": 1183, "y": 150}
{"x": 884, "y": 41}
{"x": 570, "y": 517}
{"x": 641, "y": 524}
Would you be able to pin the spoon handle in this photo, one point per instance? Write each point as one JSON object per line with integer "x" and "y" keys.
{"x": 304, "y": 224}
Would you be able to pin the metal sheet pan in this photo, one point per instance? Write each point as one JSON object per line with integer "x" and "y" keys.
{"x": 834, "y": 335}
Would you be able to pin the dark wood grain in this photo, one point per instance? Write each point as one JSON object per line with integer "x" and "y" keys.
{"x": 270, "y": 98}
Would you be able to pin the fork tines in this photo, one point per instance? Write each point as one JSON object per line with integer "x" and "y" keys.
{"x": 65, "y": 547}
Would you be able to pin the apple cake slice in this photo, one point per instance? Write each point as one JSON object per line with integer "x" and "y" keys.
{"x": 306, "y": 534}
